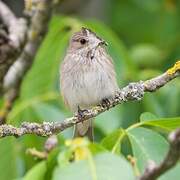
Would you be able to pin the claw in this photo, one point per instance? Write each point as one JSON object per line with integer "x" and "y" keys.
{"x": 106, "y": 103}
{"x": 81, "y": 112}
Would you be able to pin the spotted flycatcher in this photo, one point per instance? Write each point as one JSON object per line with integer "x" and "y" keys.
{"x": 87, "y": 76}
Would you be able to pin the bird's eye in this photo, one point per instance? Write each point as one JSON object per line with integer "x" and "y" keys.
{"x": 83, "y": 41}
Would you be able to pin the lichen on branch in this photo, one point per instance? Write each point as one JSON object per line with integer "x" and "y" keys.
{"x": 133, "y": 92}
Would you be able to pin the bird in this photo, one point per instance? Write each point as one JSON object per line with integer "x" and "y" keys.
{"x": 87, "y": 76}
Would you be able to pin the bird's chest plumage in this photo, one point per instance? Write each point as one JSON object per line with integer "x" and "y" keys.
{"x": 87, "y": 84}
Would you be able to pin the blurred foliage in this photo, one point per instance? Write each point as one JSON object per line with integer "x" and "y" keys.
{"x": 144, "y": 40}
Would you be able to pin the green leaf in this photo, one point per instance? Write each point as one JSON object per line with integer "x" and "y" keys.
{"x": 24, "y": 106}
{"x": 8, "y": 155}
{"x": 64, "y": 157}
{"x": 112, "y": 142}
{"x": 47, "y": 112}
{"x": 146, "y": 116}
{"x": 51, "y": 162}
{"x": 109, "y": 120}
{"x": 147, "y": 145}
{"x": 37, "y": 172}
{"x": 44, "y": 74}
{"x": 96, "y": 148}
{"x": 105, "y": 166}
{"x": 167, "y": 124}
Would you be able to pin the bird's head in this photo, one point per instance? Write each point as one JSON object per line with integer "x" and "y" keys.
{"x": 85, "y": 40}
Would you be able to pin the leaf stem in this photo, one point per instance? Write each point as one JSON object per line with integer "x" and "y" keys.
{"x": 92, "y": 165}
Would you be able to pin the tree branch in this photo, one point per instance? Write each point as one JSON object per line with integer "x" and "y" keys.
{"x": 132, "y": 92}
{"x": 11, "y": 41}
{"x": 36, "y": 33}
{"x": 153, "y": 171}
{"x": 16, "y": 26}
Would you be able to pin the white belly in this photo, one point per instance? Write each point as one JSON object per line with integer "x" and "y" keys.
{"x": 88, "y": 88}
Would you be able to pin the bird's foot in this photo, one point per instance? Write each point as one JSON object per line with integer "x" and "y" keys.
{"x": 106, "y": 103}
{"x": 80, "y": 112}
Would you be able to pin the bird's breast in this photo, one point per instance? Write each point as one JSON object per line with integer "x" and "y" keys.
{"x": 87, "y": 84}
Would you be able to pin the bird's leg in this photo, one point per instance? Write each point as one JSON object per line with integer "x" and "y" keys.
{"x": 80, "y": 112}
{"x": 106, "y": 103}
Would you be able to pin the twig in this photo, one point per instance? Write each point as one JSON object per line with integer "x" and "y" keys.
{"x": 36, "y": 33}
{"x": 49, "y": 145}
{"x": 152, "y": 172}
{"x": 15, "y": 39}
{"x": 37, "y": 154}
{"x": 132, "y": 92}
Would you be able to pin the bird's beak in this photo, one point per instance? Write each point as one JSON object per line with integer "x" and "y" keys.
{"x": 103, "y": 43}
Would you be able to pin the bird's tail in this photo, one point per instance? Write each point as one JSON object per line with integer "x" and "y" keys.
{"x": 84, "y": 128}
